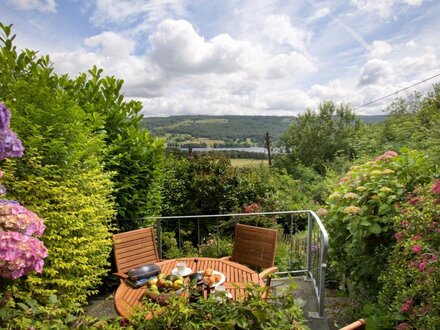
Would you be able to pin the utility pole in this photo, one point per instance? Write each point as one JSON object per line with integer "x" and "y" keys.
{"x": 267, "y": 141}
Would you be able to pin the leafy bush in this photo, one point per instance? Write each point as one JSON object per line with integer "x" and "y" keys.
{"x": 411, "y": 284}
{"x": 216, "y": 247}
{"x": 254, "y": 312}
{"x": 361, "y": 211}
{"x": 132, "y": 154}
{"x": 60, "y": 177}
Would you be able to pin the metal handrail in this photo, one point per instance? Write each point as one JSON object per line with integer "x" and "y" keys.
{"x": 314, "y": 273}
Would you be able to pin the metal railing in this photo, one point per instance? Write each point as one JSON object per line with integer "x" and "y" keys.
{"x": 314, "y": 265}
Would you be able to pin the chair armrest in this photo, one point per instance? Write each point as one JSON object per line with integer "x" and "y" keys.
{"x": 121, "y": 276}
{"x": 268, "y": 271}
{"x": 226, "y": 258}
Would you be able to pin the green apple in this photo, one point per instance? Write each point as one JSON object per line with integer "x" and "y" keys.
{"x": 161, "y": 276}
{"x": 178, "y": 284}
{"x": 154, "y": 287}
{"x": 168, "y": 284}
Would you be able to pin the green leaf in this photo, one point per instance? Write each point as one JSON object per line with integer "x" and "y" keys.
{"x": 375, "y": 229}
{"x": 243, "y": 323}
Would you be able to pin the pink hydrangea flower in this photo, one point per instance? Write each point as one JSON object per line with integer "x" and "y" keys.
{"x": 19, "y": 254}
{"x": 15, "y": 217}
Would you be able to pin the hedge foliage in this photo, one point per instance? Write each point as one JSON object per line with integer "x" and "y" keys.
{"x": 85, "y": 163}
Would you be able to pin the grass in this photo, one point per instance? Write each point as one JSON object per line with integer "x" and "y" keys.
{"x": 239, "y": 162}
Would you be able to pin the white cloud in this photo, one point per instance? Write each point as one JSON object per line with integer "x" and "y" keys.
{"x": 419, "y": 64}
{"x": 333, "y": 90}
{"x": 289, "y": 100}
{"x": 411, "y": 43}
{"x": 413, "y": 2}
{"x": 144, "y": 13}
{"x": 320, "y": 13}
{"x": 44, "y": 6}
{"x": 178, "y": 48}
{"x": 375, "y": 71}
{"x": 279, "y": 29}
{"x": 380, "y": 48}
{"x": 111, "y": 44}
{"x": 383, "y": 8}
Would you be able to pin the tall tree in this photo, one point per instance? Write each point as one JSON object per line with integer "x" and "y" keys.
{"x": 315, "y": 139}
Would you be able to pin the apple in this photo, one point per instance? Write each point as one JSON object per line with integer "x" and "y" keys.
{"x": 161, "y": 276}
{"x": 151, "y": 282}
{"x": 153, "y": 288}
{"x": 160, "y": 282}
{"x": 168, "y": 284}
{"x": 178, "y": 284}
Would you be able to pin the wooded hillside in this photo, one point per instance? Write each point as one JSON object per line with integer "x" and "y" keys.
{"x": 227, "y": 127}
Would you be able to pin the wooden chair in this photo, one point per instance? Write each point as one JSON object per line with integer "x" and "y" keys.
{"x": 132, "y": 249}
{"x": 255, "y": 247}
{"x": 357, "y": 325}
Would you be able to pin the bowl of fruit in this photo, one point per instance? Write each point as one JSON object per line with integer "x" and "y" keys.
{"x": 162, "y": 287}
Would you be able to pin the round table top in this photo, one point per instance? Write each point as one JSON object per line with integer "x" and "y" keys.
{"x": 237, "y": 277}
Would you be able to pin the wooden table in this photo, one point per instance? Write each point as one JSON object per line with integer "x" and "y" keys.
{"x": 237, "y": 277}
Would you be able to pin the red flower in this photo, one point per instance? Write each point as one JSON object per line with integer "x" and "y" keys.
{"x": 123, "y": 322}
{"x": 399, "y": 236}
{"x": 403, "y": 326}
{"x": 416, "y": 238}
{"x": 406, "y": 306}
{"x": 416, "y": 249}
{"x": 436, "y": 188}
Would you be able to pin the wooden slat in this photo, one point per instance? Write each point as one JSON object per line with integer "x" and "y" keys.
{"x": 134, "y": 248}
{"x": 254, "y": 246}
{"x": 128, "y": 298}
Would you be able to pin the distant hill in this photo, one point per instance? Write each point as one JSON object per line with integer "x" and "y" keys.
{"x": 226, "y": 128}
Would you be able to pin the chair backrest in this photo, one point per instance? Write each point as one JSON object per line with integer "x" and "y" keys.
{"x": 254, "y": 246}
{"x": 134, "y": 248}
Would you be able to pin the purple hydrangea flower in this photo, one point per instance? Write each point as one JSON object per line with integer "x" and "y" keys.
{"x": 5, "y": 117}
{"x": 10, "y": 144}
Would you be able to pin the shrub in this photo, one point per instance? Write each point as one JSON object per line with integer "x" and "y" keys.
{"x": 60, "y": 177}
{"x": 254, "y": 312}
{"x": 361, "y": 210}
{"x": 411, "y": 284}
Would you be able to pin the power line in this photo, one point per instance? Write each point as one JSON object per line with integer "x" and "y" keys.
{"x": 396, "y": 92}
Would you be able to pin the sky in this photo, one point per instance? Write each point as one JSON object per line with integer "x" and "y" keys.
{"x": 239, "y": 57}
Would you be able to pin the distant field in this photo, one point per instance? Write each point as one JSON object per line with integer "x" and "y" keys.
{"x": 248, "y": 162}
{"x": 209, "y": 142}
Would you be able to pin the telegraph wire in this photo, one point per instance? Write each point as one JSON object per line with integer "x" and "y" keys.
{"x": 396, "y": 92}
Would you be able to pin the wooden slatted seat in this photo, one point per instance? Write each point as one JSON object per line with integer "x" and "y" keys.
{"x": 255, "y": 247}
{"x": 132, "y": 249}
